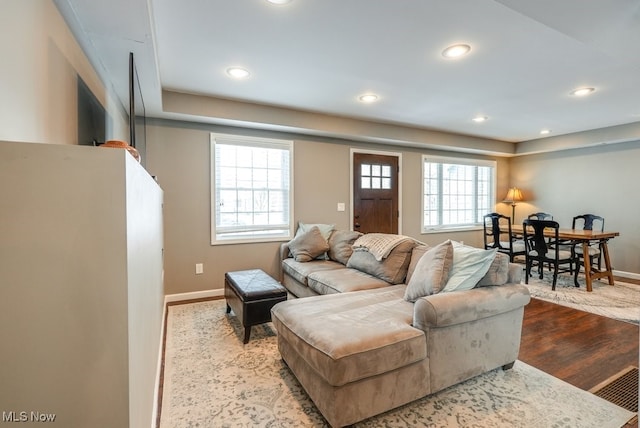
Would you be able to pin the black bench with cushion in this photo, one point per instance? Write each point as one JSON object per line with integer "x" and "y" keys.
{"x": 251, "y": 294}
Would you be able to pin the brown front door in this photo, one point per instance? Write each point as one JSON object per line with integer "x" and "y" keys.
{"x": 375, "y": 193}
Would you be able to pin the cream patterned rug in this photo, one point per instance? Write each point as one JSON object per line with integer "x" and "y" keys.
{"x": 621, "y": 301}
{"x": 212, "y": 380}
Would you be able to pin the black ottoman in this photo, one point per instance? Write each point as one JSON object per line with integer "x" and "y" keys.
{"x": 251, "y": 294}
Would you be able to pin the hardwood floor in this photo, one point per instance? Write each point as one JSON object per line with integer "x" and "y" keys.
{"x": 578, "y": 347}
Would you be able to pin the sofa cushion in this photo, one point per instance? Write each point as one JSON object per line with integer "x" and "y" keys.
{"x": 362, "y": 334}
{"x": 498, "y": 273}
{"x": 417, "y": 252}
{"x": 342, "y": 281}
{"x": 301, "y": 270}
{"x": 341, "y": 245}
{"x": 392, "y": 268}
{"x": 470, "y": 264}
{"x": 431, "y": 272}
{"x": 308, "y": 245}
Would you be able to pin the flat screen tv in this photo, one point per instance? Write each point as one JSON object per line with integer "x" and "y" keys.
{"x": 92, "y": 118}
{"x": 137, "y": 111}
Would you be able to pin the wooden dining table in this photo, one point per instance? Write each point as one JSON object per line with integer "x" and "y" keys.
{"x": 584, "y": 237}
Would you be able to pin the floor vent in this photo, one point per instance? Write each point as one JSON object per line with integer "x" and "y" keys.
{"x": 620, "y": 389}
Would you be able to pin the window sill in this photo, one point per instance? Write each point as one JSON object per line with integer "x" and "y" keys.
{"x": 249, "y": 241}
{"x": 451, "y": 230}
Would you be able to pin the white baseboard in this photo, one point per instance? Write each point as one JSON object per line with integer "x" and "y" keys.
{"x": 630, "y": 275}
{"x": 170, "y": 298}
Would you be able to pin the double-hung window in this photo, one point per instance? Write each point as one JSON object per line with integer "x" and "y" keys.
{"x": 456, "y": 193}
{"x": 251, "y": 189}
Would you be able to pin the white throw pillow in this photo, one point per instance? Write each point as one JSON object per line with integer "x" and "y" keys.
{"x": 470, "y": 264}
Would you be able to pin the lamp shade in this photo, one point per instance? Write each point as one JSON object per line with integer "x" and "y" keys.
{"x": 513, "y": 195}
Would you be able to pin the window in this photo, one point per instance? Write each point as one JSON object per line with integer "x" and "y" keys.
{"x": 251, "y": 192}
{"x": 456, "y": 193}
{"x": 375, "y": 176}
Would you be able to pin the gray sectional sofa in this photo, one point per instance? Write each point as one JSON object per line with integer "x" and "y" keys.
{"x": 366, "y": 343}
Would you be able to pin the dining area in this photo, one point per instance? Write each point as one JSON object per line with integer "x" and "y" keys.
{"x": 543, "y": 243}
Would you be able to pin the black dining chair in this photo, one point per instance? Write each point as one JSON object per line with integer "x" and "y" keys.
{"x": 498, "y": 234}
{"x": 540, "y": 216}
{"x": 541, "y": 247}
{"x": 589, "y": 222}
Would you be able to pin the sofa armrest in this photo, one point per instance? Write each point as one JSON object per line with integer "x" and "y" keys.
{"x": 284, "y": 251}
{"x": 457, "y": 307}
{"x": 515, "y": 273}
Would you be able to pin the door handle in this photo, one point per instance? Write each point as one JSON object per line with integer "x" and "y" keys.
{"x": 357, "y": 225}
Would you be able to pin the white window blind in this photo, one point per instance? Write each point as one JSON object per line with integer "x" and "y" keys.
{"x": 456, "y": 193}
{"x": 251, "y": 189}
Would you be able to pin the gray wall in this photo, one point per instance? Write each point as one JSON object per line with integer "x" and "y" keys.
{"x": 178, "y": 153}
{"x": 600, "y": 180}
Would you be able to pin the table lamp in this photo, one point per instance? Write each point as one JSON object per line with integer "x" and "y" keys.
{"x": 514, "y": 195}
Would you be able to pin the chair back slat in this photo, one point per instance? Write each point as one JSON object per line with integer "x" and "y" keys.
{"x": 540, "y": 216}
{"x": 588, "y": 221}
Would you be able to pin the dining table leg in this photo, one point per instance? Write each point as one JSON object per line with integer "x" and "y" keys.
{"x": 607, "y": 262}
{"x": 587, "y": 264}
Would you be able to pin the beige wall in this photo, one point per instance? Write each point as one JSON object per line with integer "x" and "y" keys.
{"x": 178, "y": 153}
{"x": 600, "y": 180}
{"x": 81, "y": 269}
{"x": 145, "y": 290}
{"x": 40, "y": 63}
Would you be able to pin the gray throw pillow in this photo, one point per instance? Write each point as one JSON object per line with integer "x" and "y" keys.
{"x": 392, "y": 269}
{"x": 325, "y": 230}
{"x": 416, "y": 254}
{"x": 308, "y": 245}
{"x": 431, "y": 272}
{"x": 341, "y": 245}
{"x": 498, "y": 273}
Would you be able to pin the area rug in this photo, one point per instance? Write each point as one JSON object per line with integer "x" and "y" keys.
{"x": 621, "y": 301}
{"x": 212, "y": 380}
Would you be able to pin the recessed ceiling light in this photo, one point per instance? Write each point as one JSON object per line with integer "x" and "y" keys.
{"x": 479, "y": 119}
{"x": 237, "y": 72}
{"x": 368, "y": 98}
{"x": 279, "y": 1}
{"x": 545, "y": 131}
{"x": 456, "y": 51}
{"x": 581, "y": 92}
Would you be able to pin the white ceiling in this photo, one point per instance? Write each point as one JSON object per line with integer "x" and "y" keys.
{"x": 320, "y": 55}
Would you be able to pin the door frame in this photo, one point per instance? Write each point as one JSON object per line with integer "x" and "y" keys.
{"x": 375, "y": 152}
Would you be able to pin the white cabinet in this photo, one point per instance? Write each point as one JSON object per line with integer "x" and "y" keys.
{"x": 80, "y": 284}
